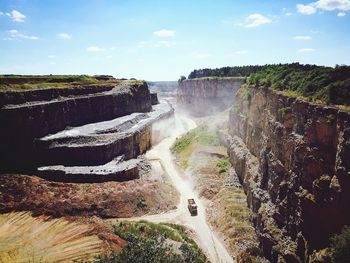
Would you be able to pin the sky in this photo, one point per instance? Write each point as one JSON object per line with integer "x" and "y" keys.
{"x": 163, "y": 39}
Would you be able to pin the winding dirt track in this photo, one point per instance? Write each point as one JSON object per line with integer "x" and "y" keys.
{"x": 206, "y": 238}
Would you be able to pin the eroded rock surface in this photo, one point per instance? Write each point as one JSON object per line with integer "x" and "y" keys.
{"x": 207, "y": 96}
{"x": 293, "y": 159}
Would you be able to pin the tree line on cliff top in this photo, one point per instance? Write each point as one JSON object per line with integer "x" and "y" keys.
{"x": 318, "y": 83}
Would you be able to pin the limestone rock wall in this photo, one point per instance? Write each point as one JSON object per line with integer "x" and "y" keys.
{"x": 205, "y": 96}
{"x": 22, "y": 123}
{"x": 293, "y": 160}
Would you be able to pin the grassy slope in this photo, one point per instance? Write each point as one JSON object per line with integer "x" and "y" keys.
{"x": 27, "y": 239}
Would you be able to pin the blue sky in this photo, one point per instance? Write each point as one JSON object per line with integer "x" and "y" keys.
{"x": 163, "y": 39}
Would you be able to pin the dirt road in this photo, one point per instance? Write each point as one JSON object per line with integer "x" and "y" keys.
{"x": 206, "y": 238}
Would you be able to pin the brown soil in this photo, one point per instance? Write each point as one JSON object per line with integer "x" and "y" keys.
{"x": 110, "y": 199}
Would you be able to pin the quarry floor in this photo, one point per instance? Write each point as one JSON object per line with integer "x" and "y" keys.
{"x": 163, "y": 161}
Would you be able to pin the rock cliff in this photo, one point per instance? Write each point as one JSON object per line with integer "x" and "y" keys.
{"x": 293, "y": 160}
{"x": 49, "y": 111}
{"x": 205, "y": 96}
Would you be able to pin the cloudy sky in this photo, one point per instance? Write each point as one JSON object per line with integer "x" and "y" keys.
{"x": 163, "y": 39}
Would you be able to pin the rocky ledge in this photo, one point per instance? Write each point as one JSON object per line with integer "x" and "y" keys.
{"x": 292, "y": 158}
{"x": 102, "y": 151}
{"x": 24, "y": 122}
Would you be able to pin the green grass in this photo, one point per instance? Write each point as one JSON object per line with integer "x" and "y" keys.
{"x": 154, "y": 243}
{"x": 136, "y": 82}
{"x": 202, "y": 135}
{"x": 184, "y": 164}
{"x": 222, "y": 165}
{"x": 8, "y": 82}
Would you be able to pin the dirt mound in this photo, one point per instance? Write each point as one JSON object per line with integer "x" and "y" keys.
{"x": 110, "y": 199}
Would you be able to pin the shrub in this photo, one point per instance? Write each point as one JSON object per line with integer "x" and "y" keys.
{"x": 341, "y": 246}
{"x": 149, "y": 242}
{"x": 223, "y": 165}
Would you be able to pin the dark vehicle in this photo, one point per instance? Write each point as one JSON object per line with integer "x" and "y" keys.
{"x": 192, "y": 207}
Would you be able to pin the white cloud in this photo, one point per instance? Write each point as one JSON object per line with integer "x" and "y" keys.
{"x": 94, "y": 49}
{"x": 324, "y": 5}
{"x": 306, "y": 9}
{"x": 340, "y": 14}
{"x": 302, "y": 38}
{"x": 255, "y": 20}
{"x": 242, "y": 52}
{"x": 303, "y": 50}
{"x": 15, "y": 34}
{"x": 165, "y": 44}
{"x": 289, "y": 14}
{"x": 16, "y": 16}
{"x": 65, "y": 35}
{"x": 330, "y": 5}
{"x": 164, "y": 33}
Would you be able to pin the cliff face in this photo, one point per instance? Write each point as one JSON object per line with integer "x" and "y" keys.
{"x": 24, "y": 122}
{"x": 205, "y": 96}
{"x": 293, "y": 159}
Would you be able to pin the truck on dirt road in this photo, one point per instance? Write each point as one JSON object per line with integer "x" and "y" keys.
{"x": 192, "y": 207}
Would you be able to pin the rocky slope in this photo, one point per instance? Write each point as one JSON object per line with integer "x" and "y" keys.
{"x": 293, "y": 159}
{"x": 205, "y": 96}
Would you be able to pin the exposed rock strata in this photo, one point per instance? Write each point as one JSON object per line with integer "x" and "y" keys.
{"x": 101, "y": 151}
{"x": 293, "y": 159}
{"x": 21, "y": 97}
{"x": 206, "y": 96}
{"x": 22, "y": 123}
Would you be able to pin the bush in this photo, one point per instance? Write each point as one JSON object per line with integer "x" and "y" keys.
{"x": 142, "y": 250}
{"x": 152, "y": 243}
{"x": 341, "y": 246}
{"x": 223, "y": 165}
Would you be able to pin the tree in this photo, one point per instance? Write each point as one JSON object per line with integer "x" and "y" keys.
{"x": 341, "y": 246}
{"x": 182, "y": 78}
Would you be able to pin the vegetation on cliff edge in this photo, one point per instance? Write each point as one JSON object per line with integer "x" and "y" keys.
{"x": 320, "y": 84}
{"x": 317, "y": 83}
{"x": 33, "y": 82}
{"x": 238, "y": 71}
